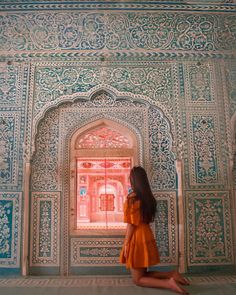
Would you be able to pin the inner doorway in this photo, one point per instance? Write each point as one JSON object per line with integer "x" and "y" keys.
{"x": 103, "y": 153}
{"x": 102, "y": 184}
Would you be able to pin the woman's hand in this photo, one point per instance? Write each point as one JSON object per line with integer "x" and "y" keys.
{"x": 126, "y": 249}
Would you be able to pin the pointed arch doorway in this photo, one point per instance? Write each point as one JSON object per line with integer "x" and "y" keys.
{"x": 102, "y": 154}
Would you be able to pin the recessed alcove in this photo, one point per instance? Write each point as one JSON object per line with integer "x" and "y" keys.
{"x": 84, "y": 174}
{"x": 102, "y": 184}
{"x": 102, "y": 154}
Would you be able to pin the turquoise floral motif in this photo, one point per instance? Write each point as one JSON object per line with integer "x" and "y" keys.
{"x": 13, "y": 92}
{"x": 7, "y": 145}
{"x": 209, "y": 228}
{"x": 226, "y": 35}
{"x": 8, "y": 80}
{"x": 45, "y": 172}
{"x": 116, "y": 31}
{"x": 234, "y": 171}
{"x": 47, "y": 150}
{"x": 45, "y": 229}
{"x": 54, "y": 82}
{"x": 209, "y": 231}
{"x": 204, "y": 142}
{"x": 6, "y": 208}
{"x": 165, "y": 227}
{"x": 161, "y": 225}
{"x": 10, "y": 220}
{"x": 163, "y": 161}
{"x": 200, "y": 81}
{"x": 231, "y": 81}
{"x": 155, "y": 82}
{"x": 98, "y": 250}
{"x": 196, "y": 32}
{"x": 150, "y": 30}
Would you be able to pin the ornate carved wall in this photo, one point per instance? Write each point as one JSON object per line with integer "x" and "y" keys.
{"x": 167, "y": 75}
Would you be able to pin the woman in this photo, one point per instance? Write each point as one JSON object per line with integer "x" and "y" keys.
{"x": 139, "y": 250}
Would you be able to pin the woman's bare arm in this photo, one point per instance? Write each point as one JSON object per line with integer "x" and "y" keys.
{"x": 129, "y": 232}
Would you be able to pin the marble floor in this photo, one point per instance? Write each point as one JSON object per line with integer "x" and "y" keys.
{"x": 111, "y": 285}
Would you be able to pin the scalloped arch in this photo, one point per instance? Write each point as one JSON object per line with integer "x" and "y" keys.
{"x": 90, "y": 95}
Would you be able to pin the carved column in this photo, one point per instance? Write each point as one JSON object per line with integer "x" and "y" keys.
{"x": 233, "y": 201}
{"x": 25, "y": 234}
{"x": 181, "y": 217}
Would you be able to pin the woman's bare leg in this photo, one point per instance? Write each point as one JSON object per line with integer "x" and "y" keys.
{"x": 141, "y": 279}
{"x": 167, "y": 275}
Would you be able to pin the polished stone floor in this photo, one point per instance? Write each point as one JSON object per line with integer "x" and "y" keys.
{"x": 111, "y": 285}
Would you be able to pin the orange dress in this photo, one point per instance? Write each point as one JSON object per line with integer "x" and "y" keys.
{"x": 142, "y": 251}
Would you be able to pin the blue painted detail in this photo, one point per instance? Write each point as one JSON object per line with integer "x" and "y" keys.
{"x": 44, "y": 271}
{"x": 5, "y": 272}
{"x": 205, "y": 156}
{"x": 10, "y": 220}
{"x": 181, "y": 80}
{"x": 6, "y": 210}
{"x": 119, "y": 31}
{"x": 83, "y": 191}
{"x": 45, "y": 229}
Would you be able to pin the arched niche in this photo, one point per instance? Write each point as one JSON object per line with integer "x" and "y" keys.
{"x": 101, "y": 155}
{"x": 53, "y": 169}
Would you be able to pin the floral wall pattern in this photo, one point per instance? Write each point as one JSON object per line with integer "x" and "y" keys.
{"x": 115, "y": 31}
{"x": 9, "y": 129}
{"x": 10, "y": 221}
{"x": 206, "y": 211}
{"x": 173, "y": 71}
{"x": 204, "y": 145}
{"x": 231, "y": 78}
{"x": 200, "y": 79}
{"x": 46, "y": 222}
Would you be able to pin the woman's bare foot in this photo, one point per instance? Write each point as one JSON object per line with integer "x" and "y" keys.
{"x": 179, "y": 278}
{"x": 174, "y": 287}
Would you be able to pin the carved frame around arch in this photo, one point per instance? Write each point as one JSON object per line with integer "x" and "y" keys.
{"x": 64, "y": 170}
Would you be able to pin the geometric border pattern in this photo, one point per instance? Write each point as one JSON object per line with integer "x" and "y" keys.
{"x": 15, "y": 230}
{"x": 99, "y": 251}
{"x": 103, "y": 281}
{"x": 45, "y": 231}
{"x": 203, "y": 5}
{"x": 202, "y": 211}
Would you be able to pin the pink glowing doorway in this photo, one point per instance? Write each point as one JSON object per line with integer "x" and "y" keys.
{"x": 102, "y": 186}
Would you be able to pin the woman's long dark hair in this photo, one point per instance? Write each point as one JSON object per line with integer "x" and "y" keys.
{"x": 141, "y": 187}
